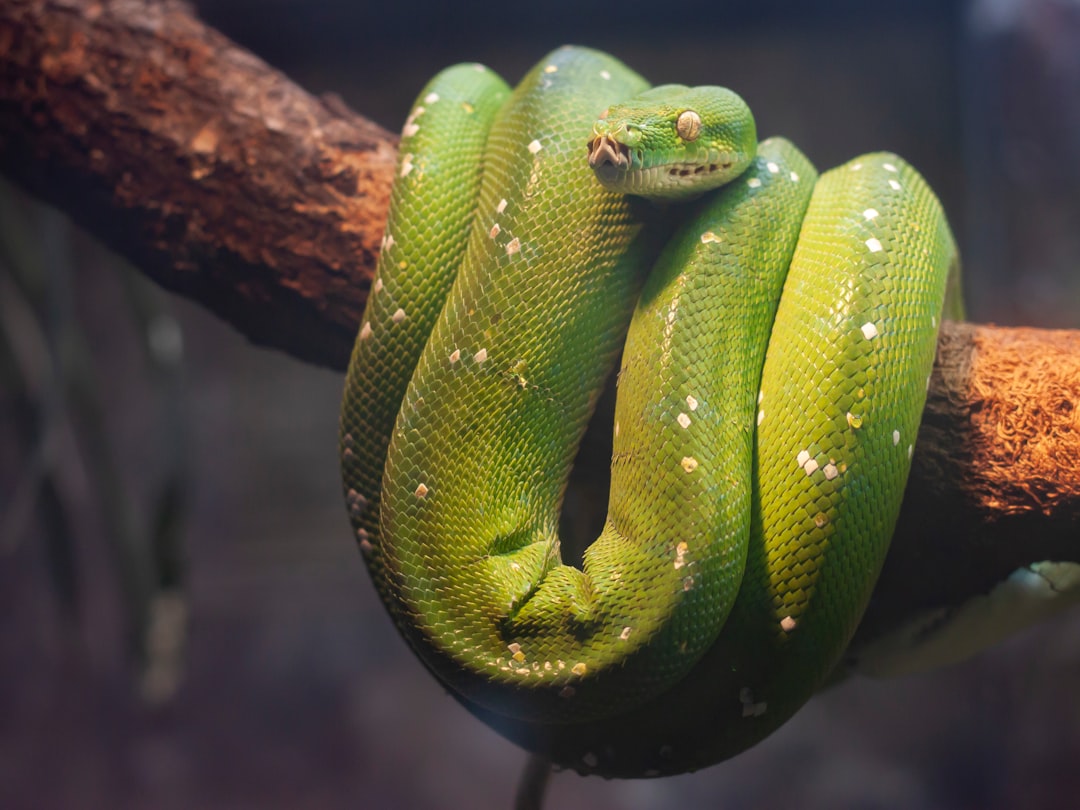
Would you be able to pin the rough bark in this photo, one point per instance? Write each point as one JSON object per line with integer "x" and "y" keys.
{"x": 211, "y": 171}
{"x": 226, "y": 182}
{"x": 995, "y": 479}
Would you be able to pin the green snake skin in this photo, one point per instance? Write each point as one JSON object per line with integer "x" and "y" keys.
{"x": 779, "y": 336}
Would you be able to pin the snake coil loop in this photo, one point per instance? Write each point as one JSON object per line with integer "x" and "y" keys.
{"x": 777, "y": 349}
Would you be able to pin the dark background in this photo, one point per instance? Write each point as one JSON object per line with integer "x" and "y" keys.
{"x": 296, "y": 691}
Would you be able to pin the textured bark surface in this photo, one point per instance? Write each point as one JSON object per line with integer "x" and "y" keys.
{"x": 224, "y": 181}
{"x": 995, "y": 480}
{"x": 211, "y": 171}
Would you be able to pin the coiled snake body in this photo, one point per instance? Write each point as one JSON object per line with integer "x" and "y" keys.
{"x": 761, "y": 440}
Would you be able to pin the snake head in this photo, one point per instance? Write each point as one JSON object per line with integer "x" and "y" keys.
{"x": 673, "y": 142}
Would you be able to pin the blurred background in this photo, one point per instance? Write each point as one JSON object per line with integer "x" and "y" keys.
{"x": 184, "y": 619}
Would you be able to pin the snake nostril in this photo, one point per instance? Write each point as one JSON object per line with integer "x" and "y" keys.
{"x": 606, "y": 151}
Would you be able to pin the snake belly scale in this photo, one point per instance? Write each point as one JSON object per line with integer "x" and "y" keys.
{"x": 779, "y": 334}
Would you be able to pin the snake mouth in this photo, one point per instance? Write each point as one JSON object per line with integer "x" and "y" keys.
{"x": 609, "y": 156}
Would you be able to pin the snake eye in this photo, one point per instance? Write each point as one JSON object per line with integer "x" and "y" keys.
{"x": 688, "y": 125}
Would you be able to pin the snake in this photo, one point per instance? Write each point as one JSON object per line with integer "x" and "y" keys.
{"x": 774, "y": 332}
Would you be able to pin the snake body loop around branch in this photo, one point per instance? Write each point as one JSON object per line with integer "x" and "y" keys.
{"x": 778, "y": 341}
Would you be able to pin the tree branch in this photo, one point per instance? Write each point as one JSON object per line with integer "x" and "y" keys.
{"x": 208, "y": 169}
{"x": 226, "y": 182}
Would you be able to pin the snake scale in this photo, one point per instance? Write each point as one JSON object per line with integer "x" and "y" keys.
{"x": 779, "y": 335}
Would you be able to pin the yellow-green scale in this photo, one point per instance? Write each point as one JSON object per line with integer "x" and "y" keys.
{"x": 441, "y": 147}
{"x": 817, "y": 541}
{"x": 488, "y": 428}
{"x": 596, "y": 668}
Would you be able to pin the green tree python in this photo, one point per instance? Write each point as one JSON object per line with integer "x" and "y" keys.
{"x": 779, "y": 329}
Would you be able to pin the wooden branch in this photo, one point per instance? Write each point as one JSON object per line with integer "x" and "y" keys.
{"x": 995, "y": 479}
{"x": 226, "y": 182}
{"x": 209, "y": 170}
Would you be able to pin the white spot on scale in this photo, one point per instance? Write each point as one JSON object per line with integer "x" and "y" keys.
{"x": 772, "y": 167}
{"x": 411, "y": 127}
{"x": 760, "y": 396}
{"x": 794, "y": 177}
{"x": 551, "y": 69}
{"x": 398, "y": 316}
{"x": 760, "y": 416}
{"x": 933, "y": 321}
{"x": 365, "y": 330}
{"x": 754, "y": 182}
{"x": 894, "y": 185}
{"x": 895, "y": 437}
{"x": 455, "y": 355}
{"x": 501, "y": 206}
{"x": 357, "y": 502}
{"x": 830, "y": 471}
{"x": 802, "y": 458}
{"x": 535, "y": 146}
{"x": 910, "y": 450}
{"x": 431, "y": 97}
{"x": 873, "y": 245}
{"x": 680, "y": 554}
{"x": 605, "y": 75}
{"x": 689, "y": 463}
{"x": 365, "y": 541}
{"x": 888, "y": 167}
{"x": 406, "y": 164}
{"x": 691, "y": 403}
{"x": 869, "y": 330}
{"x": 787, "y": 624}
{"x": 755, "y": 710}
{"x": 495, "y": 230}
{"x": 625, "y": 634}
{"x": 870, "y": 213}
{"x": 480, "y": 356}
{"x": 683, "y": 420}
{"x": 388, "y": 241}
{"x": 378, "y": 285}
{"x": 616, "y": 428}
{"x": 513, "y": 246}
{"x": 709, "y": 236}
{"x": 749, "y": 707}
{"x": 421, "y": 490}
{"x": 856, "y": 167}
{"x": 811, "y": 466}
